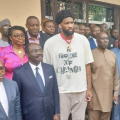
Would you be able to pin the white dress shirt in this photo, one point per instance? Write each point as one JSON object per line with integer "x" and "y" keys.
{"x": 95, "y": 41}
{"x": 40, "y": 70}
{"x": 3, "y": 98}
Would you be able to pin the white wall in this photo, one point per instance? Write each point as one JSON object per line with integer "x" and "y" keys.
{"x": 116, "y": 2}
{"x": 18, "y": 10}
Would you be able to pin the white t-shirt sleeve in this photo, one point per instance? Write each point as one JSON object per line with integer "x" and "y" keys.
{"x": 87, "y": 52}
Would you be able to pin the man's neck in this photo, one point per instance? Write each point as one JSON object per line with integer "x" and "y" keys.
{"x": 32, "y": 37}
{"x": 102, "y": 50}
{"x": 5, "y": 39}
{"x": 66, "y": 37}
{"x": 93, "y": 37}
{"x": 34, "y": 64}
{"x": 114, "y": 37}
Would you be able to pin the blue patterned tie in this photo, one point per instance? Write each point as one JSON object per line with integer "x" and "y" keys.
{"x": 39, "y": 79}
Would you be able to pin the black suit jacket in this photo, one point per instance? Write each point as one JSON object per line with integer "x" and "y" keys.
{"x": 35, "y": 104}
{"x": 43, "y": 38}
{"x": 111, "y": 43}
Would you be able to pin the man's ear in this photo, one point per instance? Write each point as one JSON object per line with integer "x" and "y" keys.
{"x": 43, "y": 28}
{"x": 26, "y": 25}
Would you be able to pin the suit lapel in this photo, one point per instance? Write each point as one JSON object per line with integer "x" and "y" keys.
{"x": 26, "y": 39}
{"x": 41, "y": 39}
{"x": 7, "y": 89}
{"x": 31, "y": 77}
{"x": 2, "y": 109}
{"x": 93, "y": 43}
{"x": 46, "y": 74}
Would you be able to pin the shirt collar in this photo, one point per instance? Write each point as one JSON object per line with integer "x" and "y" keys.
{"x": 34, "y": 67}
{"x": 43, "y": 31}
{"x": 29, "y": 37}
{"x": 1, "y": 83}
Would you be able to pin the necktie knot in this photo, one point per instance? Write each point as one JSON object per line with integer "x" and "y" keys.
{"x": 37, "y": 68}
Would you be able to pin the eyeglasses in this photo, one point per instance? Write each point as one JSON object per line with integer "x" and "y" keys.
{"x": 6, "y": 27}
{"x": 17, "y": 36}
{"x": 2, "y": 68}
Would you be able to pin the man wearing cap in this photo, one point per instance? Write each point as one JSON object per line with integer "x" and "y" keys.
{"x": 4, "y": 26}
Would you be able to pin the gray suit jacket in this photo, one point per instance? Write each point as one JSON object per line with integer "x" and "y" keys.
{"x": 13, "y": 96}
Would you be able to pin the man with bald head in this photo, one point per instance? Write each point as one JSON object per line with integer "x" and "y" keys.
{"x": 105, "y": 80}
{"x": 9, "y": 98}
{"x": 94, "y": 32}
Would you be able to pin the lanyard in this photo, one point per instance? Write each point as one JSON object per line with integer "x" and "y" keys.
{"x": 69, "y": 47}
{"x": 66, "y": 39}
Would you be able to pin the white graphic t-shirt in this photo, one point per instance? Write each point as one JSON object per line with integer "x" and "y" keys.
{"x": 69, "y": 65}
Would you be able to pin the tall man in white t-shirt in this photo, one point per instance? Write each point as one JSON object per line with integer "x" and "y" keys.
{"x": 71, "y": 56}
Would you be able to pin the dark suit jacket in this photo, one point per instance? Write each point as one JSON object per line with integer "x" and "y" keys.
{"x": 111, "y": 44}
{"x": 92, "y": 43}
{"x": 13, "y": 96}
{"x": 35, "y": 104}
{"x": 43, "y": 39}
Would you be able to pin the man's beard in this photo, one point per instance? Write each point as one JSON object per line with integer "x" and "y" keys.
{"x": 114, "y": 37}
{"x": 66, "y": 32}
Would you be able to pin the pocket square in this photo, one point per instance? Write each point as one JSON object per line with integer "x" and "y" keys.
{"x": 12, "y": 99}
{"x": 50, "y": 77}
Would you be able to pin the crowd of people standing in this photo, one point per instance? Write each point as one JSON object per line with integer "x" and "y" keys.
{"x": 59, "y": 75}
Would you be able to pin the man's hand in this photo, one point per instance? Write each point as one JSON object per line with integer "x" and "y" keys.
{"x": 88, "y": 96}
{"x": 115, "y": 99}
{"x": 90, "y": 105}
{"x": 56, "y": 117}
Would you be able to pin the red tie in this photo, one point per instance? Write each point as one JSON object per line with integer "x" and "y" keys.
{"x": 116, "y": 43}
